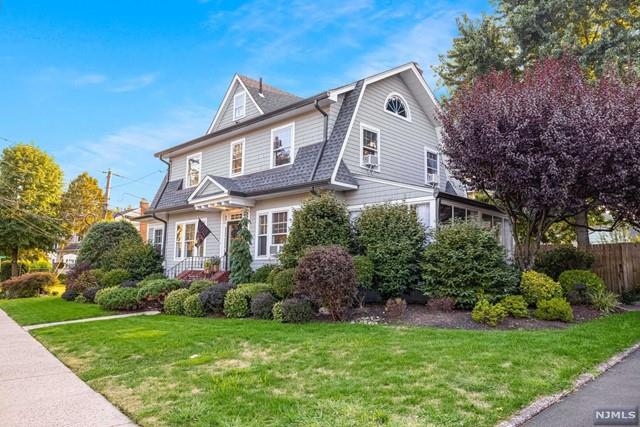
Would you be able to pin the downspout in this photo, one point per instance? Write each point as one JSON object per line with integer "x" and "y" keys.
{"x": 324, "y": 139}
{"x": 153, "y": 214}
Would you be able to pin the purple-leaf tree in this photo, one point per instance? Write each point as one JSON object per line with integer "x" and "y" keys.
{"x": 529, "y": 144}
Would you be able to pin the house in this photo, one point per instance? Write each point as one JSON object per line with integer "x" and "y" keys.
{"x": 371, "y": 141}
{"x": 131, "y": 214}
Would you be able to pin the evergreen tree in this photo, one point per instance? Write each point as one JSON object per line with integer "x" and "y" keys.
{"x": 240, "y": 254}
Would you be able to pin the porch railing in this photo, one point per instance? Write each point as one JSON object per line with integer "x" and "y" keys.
{"x": 187, "y": 264}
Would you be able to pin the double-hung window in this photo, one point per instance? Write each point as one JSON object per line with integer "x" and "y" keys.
{"x": 272, "y": 230}
{"x": 369, "y": 147}
{"x": 239, "y": 105}
{"x": 194, "y": 166}
{"x": 431, "y": 166}
{"x": 186, "y": 240}
{"x": 237, "y": 157}
{"x": 282, "y": 139}
{"x": 154, "y": 237}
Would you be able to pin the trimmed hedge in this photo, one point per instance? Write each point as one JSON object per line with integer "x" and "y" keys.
{"x": 213, "y": 297}
{"x": 284, "y": 283}
{"x": 295, "y": 310}
{"x": 198, "y": 286}
{"x": 27, "y": 285}
{"x": 262, "y": 305}
{"x": 117, "y": 298}
{"x": 538, "y": 286}
{"x": 193, "y": 307}
{"x": 173, "y": 303}
{"x": 554, "y": 309}
{"x": 515, "y": 305}
{"x": 571, "y": 278}
{"x": 154, "y": 291}
{"x": 485, "y": 312}
{"x": 114, "y": 277}
{"x": 237, "y": 302}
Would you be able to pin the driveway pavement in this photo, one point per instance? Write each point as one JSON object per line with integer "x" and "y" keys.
{"x": 36, "y": 389}
{"x": 619, "y": 387}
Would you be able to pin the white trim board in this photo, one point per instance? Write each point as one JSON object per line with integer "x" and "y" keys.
{"x": 394, "y": 183}
{"x": 199, "y": 187}
{"x": 175, "y": 237}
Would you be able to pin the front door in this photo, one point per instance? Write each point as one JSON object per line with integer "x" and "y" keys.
{"x": 232, "y": 232}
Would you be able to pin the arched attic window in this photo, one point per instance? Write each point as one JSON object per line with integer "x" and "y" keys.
{"x": 396, "y": 105}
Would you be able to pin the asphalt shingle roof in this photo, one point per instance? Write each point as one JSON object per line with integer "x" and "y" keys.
{"x": 272, "y": 98}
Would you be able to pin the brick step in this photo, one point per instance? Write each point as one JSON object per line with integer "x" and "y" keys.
{"x": 190, "y": 275}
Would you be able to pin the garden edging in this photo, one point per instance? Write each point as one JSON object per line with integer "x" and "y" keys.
{"x": 543, "y": 403}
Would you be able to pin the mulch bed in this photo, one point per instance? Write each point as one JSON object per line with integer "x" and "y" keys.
{"x": 422, "y": 315}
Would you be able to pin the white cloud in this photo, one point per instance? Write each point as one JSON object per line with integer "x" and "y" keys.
{"x": 89, "y": 79}
{"x": 135, "y": 83}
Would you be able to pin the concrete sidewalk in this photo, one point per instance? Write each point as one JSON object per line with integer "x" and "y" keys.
{"x": 618, "y": 387}
{"x": 36, "y": 389}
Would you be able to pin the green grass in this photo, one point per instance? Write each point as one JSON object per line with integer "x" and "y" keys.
{"x": 32, "y": 311}
{"x": 179, "y": 371}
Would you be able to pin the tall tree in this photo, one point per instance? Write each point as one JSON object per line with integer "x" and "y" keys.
{"x": 240, "y": 253}
{"x": 30, "y": 189}
{"x": 81, "y": 204}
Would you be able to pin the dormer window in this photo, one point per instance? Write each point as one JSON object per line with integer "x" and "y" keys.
{"x": 194, "y": 163}
{"x": 396, "y": 105}
{"x": 239, "y": 102}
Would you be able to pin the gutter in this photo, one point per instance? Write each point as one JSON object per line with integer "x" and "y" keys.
{"x": 325, "y": 132}
{"x": 153, "y": 214}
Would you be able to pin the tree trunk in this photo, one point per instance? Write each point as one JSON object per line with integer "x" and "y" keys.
{"x": 582, "y": 232}
{"x": 14, "y": 262}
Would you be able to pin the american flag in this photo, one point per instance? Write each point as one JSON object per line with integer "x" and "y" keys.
{"x": 202, "y": 233}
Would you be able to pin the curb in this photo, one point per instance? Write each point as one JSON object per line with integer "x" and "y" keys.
{"x": 543, "y": 403}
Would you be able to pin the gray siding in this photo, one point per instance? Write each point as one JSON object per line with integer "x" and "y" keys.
{"x": 402, "y": 142}
{"x": 212, "y": 247}
{"x": 226, "y": 117}
{"x": 374, "y": 192}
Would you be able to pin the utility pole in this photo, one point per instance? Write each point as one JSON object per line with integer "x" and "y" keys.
{"x": 107, "y": 191}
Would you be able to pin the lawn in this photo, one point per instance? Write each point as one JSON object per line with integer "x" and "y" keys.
{"x": 32, "y": 311}
{"x": 180, "y": 371}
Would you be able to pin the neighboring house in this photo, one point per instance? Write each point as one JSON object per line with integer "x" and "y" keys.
{"x": 131, "y": 214}
{"x": 372, "y": 141}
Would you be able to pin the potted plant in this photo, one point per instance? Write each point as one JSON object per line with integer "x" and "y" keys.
{"x": 212, "y": 265}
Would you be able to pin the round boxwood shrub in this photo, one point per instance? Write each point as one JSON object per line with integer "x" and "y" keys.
{"x": 174, "y": 301}
{"x": 276, "y": 312}
{"x": 272, "y": 274}
{"x": 114, "y": 277}
{"x": 117, "y": 298}
{"x": 515, "y": 305}
{"x": 154, "y": 291}
{"x": 27, "y": 285}
{"x": 262, "y": 305}
{"x": 571, "y": 279}
{"x": 261, "y": 274}
{"x": 198, "y": 286}
{"x": 90, "y": 294}
{"x": 284, "y": 283}
{"x": 485, "y": 312}
{"x": 563, "y": 258}
{"x": 538, "y": 286}
{"x": 213, "y": 297}
{"x": 295, "y": 310}
{"x": 554, "y": 309}
{"x": 193, "y": 307}
{"x": 464, "y": 262}
{"x": 237, "y": 302}
{"x": 70, "y": 294}
{"x": 137, "y": 257}
{"x": 325, "y": 274}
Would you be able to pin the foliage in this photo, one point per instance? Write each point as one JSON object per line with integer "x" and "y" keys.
{"x": 86, "y": 279}
{"x": 240, "y": 253}
{"x": 284, "y": 283}
{"x": 114, "y": 277}
{"x": 213, "y": 297}
{"x": 326, "y": 275}
{"x": 395, "y": 308}
{"x": 154, "y": 276}
{"x": 173, "y": 303}
{"x": 129, "y": 284}
{"x": 89, "y": 294}
{"x": 198, "y": 286}
{"x": 237, "y": 302}
{"x": 31, "y": 185}
{"x": 27, "y": 285}
{"x": 536, "y": 286}
{"x": 117, "y": 298}
{"x": 140, "y": 259}
{"x": 464, "y": 262}
{"x": 321, "y": 220}
{"x": 81, "y": 205}
{"x": 81, "y": 299}
{"x": 273, "y": 273}
{"x": 515, "y": 305}
{"x": 393, "y": 238}
{"x": 5, "y": 269}
{"x": 262, "y": 305}
{"x": 102, "y": 238}
{"x": 154, "y": 291}
{"x": 554, "y": 309}
{"x": 296, "y": 310}
{"x": 562, "y": 258}
{"x": 261, "y": 275}
{"x": 631, "y": 296}
{"x": 193, "y": 307}
{"x": 364, "y": 271}
{"x": 604, "y": 300}
{"x": 276, "y": 312}
{"x": 485, "y": 312}
{"x": 70, "y": 294}
{"x": 570, "y": 279}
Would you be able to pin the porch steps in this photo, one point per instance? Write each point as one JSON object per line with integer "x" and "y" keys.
{"x": 220, "y": 276}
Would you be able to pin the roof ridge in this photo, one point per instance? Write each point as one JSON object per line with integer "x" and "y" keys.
{"x": 266, "y": 86}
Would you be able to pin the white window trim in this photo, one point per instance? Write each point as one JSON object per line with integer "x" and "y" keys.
{"x": 186, "y": 174}
{"x": 268, "y": 213}
{"x": 404, "y": 101}
{"x": 175, "y": 237}
{"x": 374, "y": 129}
{"x": 234, "y": 143}
{"x": 293, "y": 137}
{"x": 151, "y": 229}
{"x": 242, "y": 94}
{"x": 428, "y": 150}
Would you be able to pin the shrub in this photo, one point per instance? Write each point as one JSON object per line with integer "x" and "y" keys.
{"x": 321, "y": 220}
{"x": 296, "y": 310}
{"x": 90, "y": 294}
{"x": 98, "y": 273}
{"x": 515, "y": 305}
{"x": 154, "y": 291}
{"x": 27, "y": 285}
{"x": 74, "y": 273}
{"x": 262, "y": 305}
{"x": 538, "y": 286}
{"x": 277, "y": 313}
{"x": 464, "y": 262}
{"x": 237, "y": 302}
{"x": 566, "y": 257}
{"x": 485, "y": 312}
{"x": 284, "y": 283}
{"x": 240, "y": 253}
{"x": 554, "y": 309}
{"x": 261, "y": 275}
{"x": 571, "y": 280}
{"x": 155, "y": 276}
{"x": 442, "y": 304}
{"x": 81, "y": 299}
{"x": 604, "y": 300}
{"x": 395, "y": 308}
{"x": 326, "y": 275}
{"x": 5, "y": 270}
{"x": 102, "y": 238}
{"x": 213, "y": 297}
{"x": 114, "y": 277}
{"x": 137, "y": 257}
{"x": 117, "y": 298}
{"x": 129, "y": 284}
{"x": 69, "y": 294}
{"x": 193, "y": 307}
{"x": 272, "y": 274}
{"x": 87, "y": 279}
{"x": 631, "y": 296}
{"x": 174, "y": 300}
{"x": 198, "y": 286}
{"x": 393, "y": 238}
{"x": 364, "y": 277}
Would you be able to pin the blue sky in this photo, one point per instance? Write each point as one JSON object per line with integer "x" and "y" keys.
{"x": 105, "y": 84}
